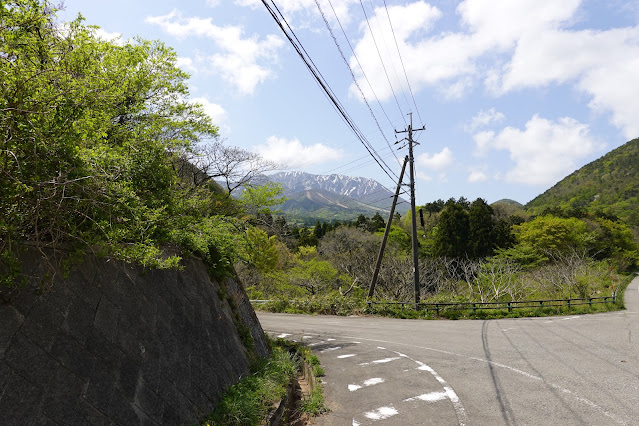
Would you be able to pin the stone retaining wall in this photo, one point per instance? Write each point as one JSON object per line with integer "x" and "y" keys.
{"x": 116, "y": 344}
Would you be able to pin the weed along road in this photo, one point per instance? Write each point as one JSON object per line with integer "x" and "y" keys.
{"x": 571, "y": 370}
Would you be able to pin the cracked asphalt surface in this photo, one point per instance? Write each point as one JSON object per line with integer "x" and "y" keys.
{"x": 571, "y": 370}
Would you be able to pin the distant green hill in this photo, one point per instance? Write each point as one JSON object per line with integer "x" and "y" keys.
{"x": 508, "y": 202}
{"x": 609, "y": 185}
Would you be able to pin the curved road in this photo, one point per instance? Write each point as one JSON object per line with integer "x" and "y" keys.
{"x": 571, "y": 370}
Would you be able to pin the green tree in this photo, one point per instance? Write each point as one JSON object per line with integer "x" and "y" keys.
{"x": 95, "y": 139}
{"x": 376, "y": 223}
{"x": 262, "y": 249}
{"x": 549, "y": 233}
{"x": 482, "y": 237}
{"x": 315, "y": 276}
{"x": 452, "y": 231}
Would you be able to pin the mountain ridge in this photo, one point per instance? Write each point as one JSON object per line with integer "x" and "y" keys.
{"x": 333, "y": 197}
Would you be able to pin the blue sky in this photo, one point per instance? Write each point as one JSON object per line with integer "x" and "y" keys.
{"x": 515, "y": 94}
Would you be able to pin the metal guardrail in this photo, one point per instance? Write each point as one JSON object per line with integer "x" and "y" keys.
{"x": 520, "y": 304}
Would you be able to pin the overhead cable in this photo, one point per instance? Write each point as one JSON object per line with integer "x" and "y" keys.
{"x": 321, "y": 81}
{"x": 402, "y": 62}
{"x": 330, "y": 30}
{"x": 382, "y": 61}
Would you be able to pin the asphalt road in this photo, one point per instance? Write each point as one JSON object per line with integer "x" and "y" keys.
{"x": 572, "y": 370}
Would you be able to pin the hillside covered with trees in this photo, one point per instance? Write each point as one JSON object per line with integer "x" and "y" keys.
{"x": 609, "y": 185}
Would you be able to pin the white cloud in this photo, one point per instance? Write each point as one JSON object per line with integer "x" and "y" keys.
{"x": 186, "y": 64}
{"x": 212, "y": 3}
{"x": 485, "y": 118}
{"x": 602, "y": 64}
{"x": 215, "y": 111}
{"x": 450, "y": 59}
{"x": 544, "y": 152}
{"x": 292, "y": 154}
{"x": 500, "y": 23}
{"x": 307, "y": 9}
{"x": 407, "y": 20}
{"x": 107, "y": 36}
{"x": 423, "y": 176}
{"x": 242, "y": 61}
{"x": 477, "y": 175}
{"x": 438, "y": 161}
{"x": 530, "y": 41}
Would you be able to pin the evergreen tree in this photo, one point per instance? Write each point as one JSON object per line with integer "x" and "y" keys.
{"x": 451, "y": 236}
{"x": 376, "y": 223}
{"x": 481, "y": 229}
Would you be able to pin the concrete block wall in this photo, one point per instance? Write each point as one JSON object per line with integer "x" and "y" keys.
{"x": 116, "y": 344}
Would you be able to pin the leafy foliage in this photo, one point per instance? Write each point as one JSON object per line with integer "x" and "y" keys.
{"x": 98, "y": 144}
{"x": 607, "y": 186}
{"x": 248, "y": 402}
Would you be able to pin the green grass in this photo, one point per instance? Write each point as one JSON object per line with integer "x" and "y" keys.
{"x": 249, "y": 401}
{"x": 313, "y": 405}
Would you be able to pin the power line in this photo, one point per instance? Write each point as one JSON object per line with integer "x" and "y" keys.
{"x": 360, "y": 65}
{"x": 321, "y": 81}
{"x": 330, "y": 30}
{"x": 402, "y": 62}
{"x": 381, "y": 60}
{"x": 403, "y": 92}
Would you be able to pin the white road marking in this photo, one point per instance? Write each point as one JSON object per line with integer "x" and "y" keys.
{"x": 334, "y": 348}
{"x": 381, "y": 413}
{"x": 380, "y": 361}
{"x": 385, "y": 360}
{"x": 330, "y": 340}
{"x": 450, "y": 393}
{"x": 373, "y": 381}
{"x": 591, "y": 404}
{"x": 316, "y": 343}
{"x": 429, "y": 397}
{"x": 353, "y": 388}
{"x": 355, "y": 423}
{"x": 283, "y": 335}
{"x": 345, "y": 356}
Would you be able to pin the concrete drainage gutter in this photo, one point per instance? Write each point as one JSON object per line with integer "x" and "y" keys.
{"x": 303, "y": 384}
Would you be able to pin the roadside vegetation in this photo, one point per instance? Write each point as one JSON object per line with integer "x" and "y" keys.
{"x": 101, "y": 151}
{"x": 468, "y": 252}
{"x": 255, "y": 397}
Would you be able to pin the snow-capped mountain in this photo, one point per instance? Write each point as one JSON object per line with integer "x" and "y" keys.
{"x": 353, "y": 187}
{"x": 367, "y": 195}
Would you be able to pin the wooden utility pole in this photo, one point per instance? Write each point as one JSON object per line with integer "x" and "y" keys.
{"x": 411, "y": 142}
{"x": 371, "y": 289}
